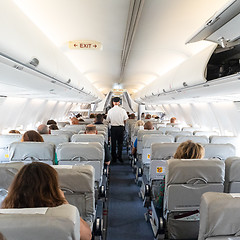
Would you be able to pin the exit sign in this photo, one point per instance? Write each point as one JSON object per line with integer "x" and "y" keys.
{"x": 85, "y": 45}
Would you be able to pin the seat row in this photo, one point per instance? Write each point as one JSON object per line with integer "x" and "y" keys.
{"x": 186, "y": 180}
{"x": 62, "y": 137}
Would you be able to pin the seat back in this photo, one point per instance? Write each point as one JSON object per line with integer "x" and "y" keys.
{"x": 62, "y": 223}
{"x": 219, "y": 218}
{"x": 232, "y": 176}
{"x": 82, "y": 153}
{"x": 187, "y": 179}
{"x": 140, "y": 135}
{"x": 5, "y": 141}
{"x": 62, "y": 124}
{"x": 55, "y": 139}
{"x": 160, "y": 152}
{"x": 164, "y": 129}
{"x": 220, "y": 151}
{"x": 190, "y": 129}
{"x": 77, "y": 183}
{"x": 147, "y": 141}
{"x": 224, "y": 139}
{"x": 205, "y": 133}
{"x": 196, "y": 139}
{"x": 7, "y": 174}
{"x": 88, "y": 138}
{"x": 178, "y": 133}
{"x": 62, "y": 131}
{"x": 32, "y": 151}
{"x": 74, "y": 128}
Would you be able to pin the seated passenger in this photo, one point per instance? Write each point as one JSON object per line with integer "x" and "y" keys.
{"x": 36, "y": 185}
{"x": 31, "y": 136}
{"x": 147, "y": 126}
{"x": 49, "y": 122}
{"x": 186, "y": 150}
{"x": 74, "y": 121}
{"x": 98, "y": 119}
{"x": 43, "y": 129}
{"x": 173, "y": 120}
{"x": 14, "y": 131}
{"x": 148, "y": 116}
{"x": 132, "y": 116}
{"x": 91, "y": 129}
{"x": 92, "y": 115}
{"x": 53, "y": 127}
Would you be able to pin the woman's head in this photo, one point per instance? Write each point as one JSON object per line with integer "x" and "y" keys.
{"x": 32, "y": 136}
{"x": 139, "y": 123}
{"x": 35, "y": 185}
{"x": 189, "y": 150}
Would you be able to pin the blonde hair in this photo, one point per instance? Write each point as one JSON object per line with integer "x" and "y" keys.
{"x": 189, "y": 150}
{"x": 139, "y": 123}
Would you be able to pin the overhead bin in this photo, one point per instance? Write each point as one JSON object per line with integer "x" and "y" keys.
{"x": 222, "y": 27}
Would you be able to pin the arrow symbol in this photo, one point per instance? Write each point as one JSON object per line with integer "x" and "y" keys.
{"x": 95, "y": 46}
{"x": 75, "y": 45}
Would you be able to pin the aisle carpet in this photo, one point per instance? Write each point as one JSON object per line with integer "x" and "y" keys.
{"x": 126, "y": 213}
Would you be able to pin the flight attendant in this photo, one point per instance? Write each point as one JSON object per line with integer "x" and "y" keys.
{"x": 117, "y": 117}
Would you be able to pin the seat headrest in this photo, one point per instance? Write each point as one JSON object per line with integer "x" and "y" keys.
{"x": 90, "y": 151}
{"x": 62, "y": 223}
{"x": 163, "y": 151}
{"x": 196, "y": 139}
{"x": 88, "y": 138}
{"x": 155, "y": 138}
{"x": 219, "y": 215}
{"x": 220, "y": 151}
{"x": 34, "y": 151}
{"x": 182, "y": 171}
{"x": 77, "y": 178}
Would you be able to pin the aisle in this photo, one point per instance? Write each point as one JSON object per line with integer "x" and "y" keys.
{"x": 126, "y": 213}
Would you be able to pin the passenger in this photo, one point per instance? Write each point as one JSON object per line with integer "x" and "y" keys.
{"x": 2, "y": 237}
{"x": 31, "y": 136}
{"x": 186, "y": 150}
{"x": 43, "y": 129}
{"x": 132, "y": 116}
{"x": 14, "y": 131}
{"x": 117, "y": 116}
{"x": 142, "y": 115}
{"x": 139, "y": 123}
{"x": 74, "y": 121}
{"x": 147, "y": 126}
{"x": 99, "y": 119}
{"x": 148, "y": 116}
{"x": 92, "y": 115}
{"x": 91, "y": 129}
{"x": 49, "y": 122}
{"x": 53, "y": 127}
{"x": 81, "y": 120}
{"x": 36, "y": 185}
{"x": 173, "y": 120}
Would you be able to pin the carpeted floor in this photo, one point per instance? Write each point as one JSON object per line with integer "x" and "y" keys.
{"x": 126, "y": 213}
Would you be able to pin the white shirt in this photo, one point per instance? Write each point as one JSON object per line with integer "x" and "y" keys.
{"x": 117, "y": 116}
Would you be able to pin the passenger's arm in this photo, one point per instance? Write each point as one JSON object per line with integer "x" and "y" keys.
{"x": 85, "y": 231}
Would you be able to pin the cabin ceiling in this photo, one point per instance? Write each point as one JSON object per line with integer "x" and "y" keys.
{"x": 158, "y": 44}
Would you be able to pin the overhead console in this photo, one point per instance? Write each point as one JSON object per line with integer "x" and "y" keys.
{"x": 223, "y": 29}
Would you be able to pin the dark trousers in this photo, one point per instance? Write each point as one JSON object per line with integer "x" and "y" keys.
{"x": 117, "y": 133}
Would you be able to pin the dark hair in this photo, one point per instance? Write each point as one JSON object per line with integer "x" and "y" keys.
{"x": 53, "y": 127}
{"x": 99, "y": 118}
{"x": 116, "y": 99}
{"x": 49, "y": 122}
{"x": 189, "y": 150}
{"x": 92, "y": 115}
{"x": 32, "y": 136}
{"x": 35, "y": 185}
{"x": 14, "y": 131}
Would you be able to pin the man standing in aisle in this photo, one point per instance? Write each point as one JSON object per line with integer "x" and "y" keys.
{"x": 117, "y": 117}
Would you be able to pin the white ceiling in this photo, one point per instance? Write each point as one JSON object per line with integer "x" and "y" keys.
{"x": 158, "y": 44}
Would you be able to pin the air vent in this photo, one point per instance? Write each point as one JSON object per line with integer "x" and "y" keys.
{"x": 18, "y": 67}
